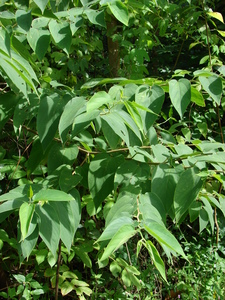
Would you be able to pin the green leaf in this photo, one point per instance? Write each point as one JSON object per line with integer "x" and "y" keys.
{"x": 41, "y": 4}
{"x": 194, "y": 210}
{"x": 131, "y": 173}
{"x": 17, "y": 72}
{"x": 99, "y": 99}
{"x": 151, "y": 207}
{"x": 25, "y": 215}
{"x": 180, "y": 94}
{"x": 8, "y": 102}
{"x": 35, "y": 157}
{"x": 203, "y": 219}
{"x": 186, "y": 191}
{"x": 49, "y": 226}
{"x": 84, "y": 257}
{"x": 61, "y": 34}
{"x": 126, "y": 278}
{"x": 59, "y": 155}
{"x": 163, "y": 236}
{"x": 210, "y": 212}
{"x": 213, "y": 86}
{"x": 133, "y": 111}
{"x": 67, "y": 180}
{"x": 95, "y": 17}
{"x": 151, "y": 99}
{"x": 125, "y": 206}
{"x": 72, "y": 109}
{"x": 24, "y": 19}
{"x": 115, "y": 268}
{"x": 197, "y": 97}
{"x": 5, "y": 41}
{"x": 49, "y": 113}
{"x": 69, "y": 217}
{"x": 39, "y": 41}
{"x": 51, "y": 195}
{"x": 101, "y": 176}
{"x": 66, "y": 288}
{"x": 83, "y": 120}
{"x": 119, "y": 238}
{"x": 157, "y": 260}
{"x": 216, "y": 15}
{"x": 166, "y": 177}
{"x": 117, "y": 125}
{"x": 114, "y": 226}
{"x": 25, "y": 247}
{"x": 203, "y": 128}
{"x": 129, "y": 122}
{"x": 120, "y": 11}
{"x": 8, "y": 207}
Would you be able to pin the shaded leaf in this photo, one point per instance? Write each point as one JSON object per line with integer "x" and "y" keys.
{"x": 180, "y": 94}
{"x": 186, "y": 191}
{"x": 101, "y": 176}
{"x": 119, "y": 238}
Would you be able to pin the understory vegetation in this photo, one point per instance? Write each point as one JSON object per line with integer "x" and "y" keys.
{"x": 112, "y": 153}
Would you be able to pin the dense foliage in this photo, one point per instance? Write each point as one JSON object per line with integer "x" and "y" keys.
{"x": 112, "y": 154}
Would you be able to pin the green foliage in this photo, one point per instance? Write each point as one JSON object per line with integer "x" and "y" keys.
{"x": 99, "y": 175}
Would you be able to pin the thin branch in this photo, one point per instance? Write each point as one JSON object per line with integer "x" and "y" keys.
{"x": 207, "y": 35}
{"x": 57, "y": 272}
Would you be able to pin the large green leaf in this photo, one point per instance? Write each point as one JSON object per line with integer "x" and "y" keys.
{"x": 197, "y": 97}
{"x": 119, "y": 238}
{"x": 25, "y": 215}
{"x": 24, "y": 19}
{"x": 59, "y": 155}
{"x": 151, "y": 207}
{"x": 157, "y": 260}
{"x": 186, "y": 191}
{"x": 8, "y": 207}
{"x": 134, "y": 113}
{"x": 114, "y": 226}
{"x": 25, "y": 247}
{"x": 39, "y": 41}
{"x": 95, "y": 17}
{"x": 152, "y": 99}
{"x": 120, "y": 11}
{"x": 4, "y": 41}
{"x": 98, "y": 100}
{"x": 17, "y": 72}
{"x": 125, "y": 206}
{"x": 117, "y": 125}
{"x": 164, "y": 182}
{"x": 163, "y": 236}
{"x": 49, "y": 226}
{"x": 82, "y": 121}
{"x": 68, "y": 180}
{"x": 61, "y": 34}
{"x": 213, "y": 86}
{"x": 130, "y": 123}
{"x": 101, "y": 176}
{"x": 69, "y": 217}
{"x": 25, "y": 109}
{"x": 35, "y": 157}
{"x": 49, "y": 113}
{"x": 72, "y": 109}
{"x": 131, "y": 172}
{"x": 180, "y": 94}
{"x": 45, "y": 196}
{"x": 41, "y": 4}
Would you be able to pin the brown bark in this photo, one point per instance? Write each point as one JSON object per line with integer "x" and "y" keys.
{"x": 113, "y": 47}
